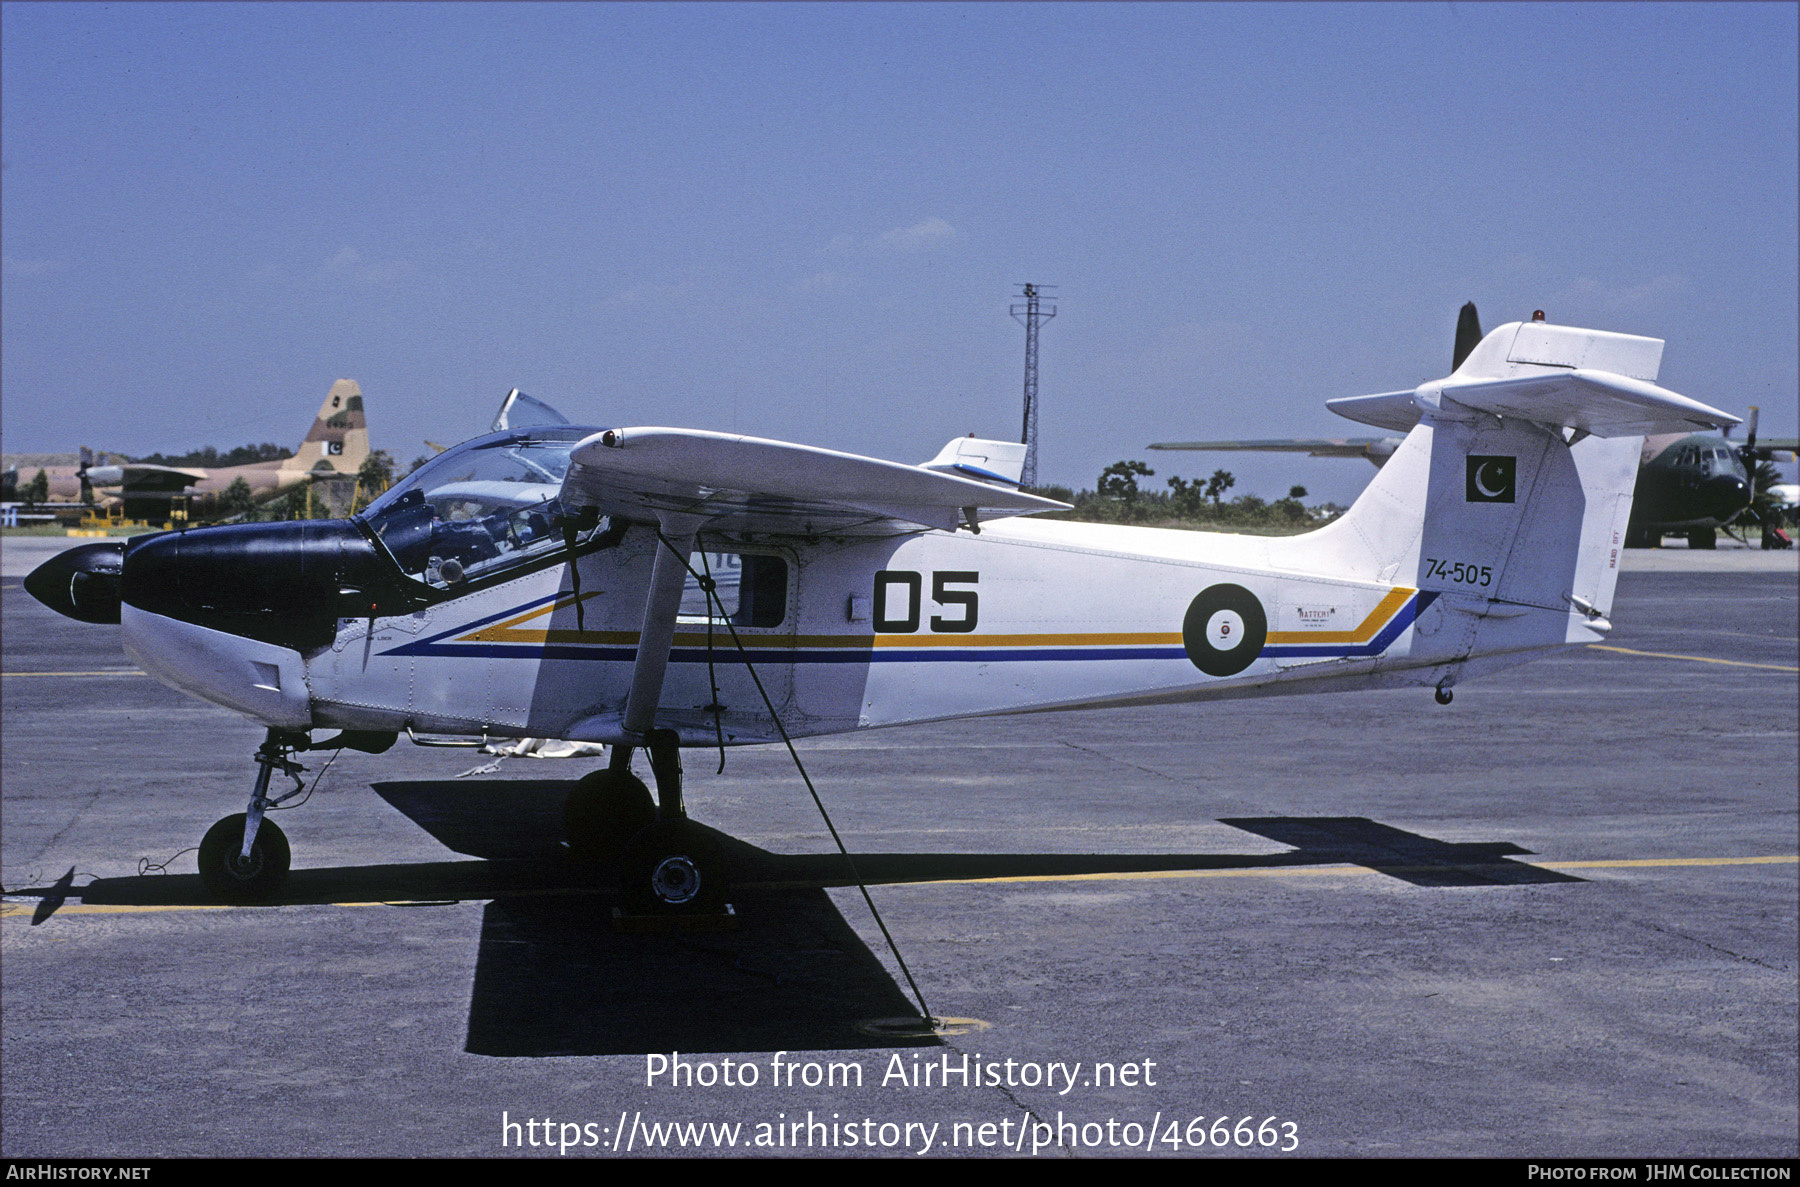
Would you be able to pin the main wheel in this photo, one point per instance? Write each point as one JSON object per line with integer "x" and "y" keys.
{"x": 237, "y": 879}
{"x": 604, "y": 810}
{"x": 1702, "y": 538}
{"x": 672, "y": 868}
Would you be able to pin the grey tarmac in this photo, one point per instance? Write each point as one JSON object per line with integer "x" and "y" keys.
{"x": 1556, "y": 919}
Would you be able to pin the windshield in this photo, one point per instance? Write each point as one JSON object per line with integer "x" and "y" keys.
{"x": 486, "y": 505}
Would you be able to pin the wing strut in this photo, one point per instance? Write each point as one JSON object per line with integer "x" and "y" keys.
{"x": 929, "y": 1024}
{"x": 657, "y": 636}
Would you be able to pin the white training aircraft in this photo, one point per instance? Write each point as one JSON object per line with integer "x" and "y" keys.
{"x": 555, "y": 581}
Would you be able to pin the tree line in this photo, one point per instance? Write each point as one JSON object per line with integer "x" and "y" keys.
{"x": 1117, "y": 497}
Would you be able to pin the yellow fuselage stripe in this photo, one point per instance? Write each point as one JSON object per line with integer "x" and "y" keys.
{"x": 509, "y": 631}
{"x": 1369, "y": 627}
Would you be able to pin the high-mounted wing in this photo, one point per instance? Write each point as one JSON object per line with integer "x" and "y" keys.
{"x": 752, "y": 484}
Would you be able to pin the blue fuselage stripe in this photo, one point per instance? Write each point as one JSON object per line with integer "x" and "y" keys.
{"x": 436, "y": 645}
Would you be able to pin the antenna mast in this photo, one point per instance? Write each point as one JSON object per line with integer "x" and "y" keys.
{"x": 1029, "y": 315}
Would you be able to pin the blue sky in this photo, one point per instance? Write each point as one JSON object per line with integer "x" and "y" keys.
{"x": 806, "y": 221}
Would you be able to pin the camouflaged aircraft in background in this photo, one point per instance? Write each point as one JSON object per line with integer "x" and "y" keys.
{"x": 337, "y": 443}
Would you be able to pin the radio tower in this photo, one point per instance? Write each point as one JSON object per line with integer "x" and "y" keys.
{"x": 1029, "y": 315}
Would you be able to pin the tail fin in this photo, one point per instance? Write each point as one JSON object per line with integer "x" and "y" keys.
{"x": 339, "y": 439}
{"x": 1513, "y": 487}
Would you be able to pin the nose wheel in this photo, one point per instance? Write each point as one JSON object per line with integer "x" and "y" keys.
{"x": 244, "y": 858}
{"x": 232, "y": 876}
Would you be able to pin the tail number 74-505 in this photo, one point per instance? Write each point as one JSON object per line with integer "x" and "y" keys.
{"x": 1458, "y": 572}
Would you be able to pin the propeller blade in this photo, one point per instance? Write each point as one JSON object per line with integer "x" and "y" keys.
{"x": 1468, "y": 334}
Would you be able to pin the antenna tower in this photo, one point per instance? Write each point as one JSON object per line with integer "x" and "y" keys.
{"x": 1029, "y": 315}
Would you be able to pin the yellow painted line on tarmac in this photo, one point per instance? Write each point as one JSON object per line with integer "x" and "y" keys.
{"x": 102, "y": 672}
{"x": 14, "y": 910}
{"x": 1699, "y": 659}
{"x": 1342, "y": 870}
{"x": 9, "y": 910}
{"x": 1624, "y": 863}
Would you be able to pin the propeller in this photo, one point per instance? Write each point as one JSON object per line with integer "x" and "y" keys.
{"x": 1468, "y": 334}
{"x": 1754, "y": 456}
{"x": 87, "y": 488}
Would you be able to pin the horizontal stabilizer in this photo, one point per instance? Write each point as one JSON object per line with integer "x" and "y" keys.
{"x": 1592, "y": 381}
{"x": 1596, "y": 402}
{"x": 1388, "y": 410}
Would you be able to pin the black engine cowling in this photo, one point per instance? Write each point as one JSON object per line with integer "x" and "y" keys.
{"x": 285, "y": 583}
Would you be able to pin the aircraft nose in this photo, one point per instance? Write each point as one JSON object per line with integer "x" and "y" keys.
{"x": 82, "y": 583}
{"x": 284, "y": 582}
{"x": 1726, "y": 495}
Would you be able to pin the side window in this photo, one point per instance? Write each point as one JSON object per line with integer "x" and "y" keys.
{"x": 752, "y": 587}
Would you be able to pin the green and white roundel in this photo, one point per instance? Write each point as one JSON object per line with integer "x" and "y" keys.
{"x": 1224, "y": 629}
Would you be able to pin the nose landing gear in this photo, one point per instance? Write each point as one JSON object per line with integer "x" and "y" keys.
{"x": 243, "y": 858}
{"x": 234, "y": 877}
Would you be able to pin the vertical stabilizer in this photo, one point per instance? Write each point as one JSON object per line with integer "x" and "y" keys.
{"x": 339, "y": 439}
{"x": 1508, "y": 499}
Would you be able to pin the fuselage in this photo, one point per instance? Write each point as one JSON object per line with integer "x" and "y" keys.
{"x": 467, "y": 602}
{"x": 932, "y": 625}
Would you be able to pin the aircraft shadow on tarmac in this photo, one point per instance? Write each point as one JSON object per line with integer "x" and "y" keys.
{"x": 555, "y": 977}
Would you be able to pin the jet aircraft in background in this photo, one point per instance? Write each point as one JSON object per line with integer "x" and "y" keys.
{"x": 338, "y": 443}
{"x": 1691, "y": 483}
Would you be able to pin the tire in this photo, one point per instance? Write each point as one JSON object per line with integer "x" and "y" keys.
{"x": 604, "y": 811}
{"x": 1702, "y": 538}
{"x": 234, "y": 879}
{"x": 672, "y": 868}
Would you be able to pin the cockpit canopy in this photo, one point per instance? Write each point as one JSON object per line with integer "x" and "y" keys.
{"x": 1709, "y": 456}
{"x": 485, "y": 506}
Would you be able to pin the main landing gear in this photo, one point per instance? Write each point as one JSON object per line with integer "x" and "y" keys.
{"x": 245, "y": 858}
{"x": 667, "y": 864}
